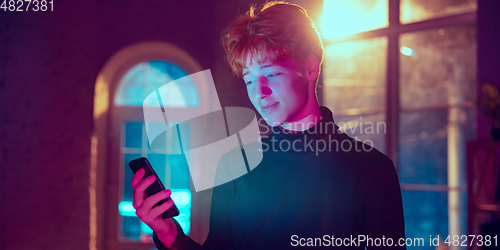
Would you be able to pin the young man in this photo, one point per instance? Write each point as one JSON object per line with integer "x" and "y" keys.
{"x": 315, "y": 186}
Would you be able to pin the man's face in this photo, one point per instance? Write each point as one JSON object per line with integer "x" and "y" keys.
{"x": 278, "y": 91}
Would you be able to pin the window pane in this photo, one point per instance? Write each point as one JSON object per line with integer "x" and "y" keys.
{"x": 437, "y": 82}
{"x": 438, "y": 67}
{"x": 182, "y": 199}
{"x": 159, "y": 163}
{"x": 157, "y": 127}
{"x": 130, "y": 224}
{"x": 128, "y": 193}
{"x": 424, "y": 136}
{"x": 131, "y": 228}
{"x": 179, "y": 171}
{"x": 426, "y": 214}
{"x": 133, "y": 134}
{"x": 354, "y": 75}
{"x": 437, "y": 79}
{"x": 341, "y": 17}
{"x": 423, "y": 146}
{"x": 354, "y": 87}
{"x": 419, "y": 10}
{"x": 146, "y": 77}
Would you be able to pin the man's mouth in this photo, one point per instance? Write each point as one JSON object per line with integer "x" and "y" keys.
{"x": 269, "y": 108}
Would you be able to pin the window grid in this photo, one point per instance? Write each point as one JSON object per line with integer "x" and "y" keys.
{"x": 392, "y": 32}
{"x": 455, "y": 191}
{"x": 126, "y": 208}
{"x": 131, "y": 229}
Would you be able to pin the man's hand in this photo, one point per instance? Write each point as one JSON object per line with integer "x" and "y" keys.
{"x": 164, "y": 228}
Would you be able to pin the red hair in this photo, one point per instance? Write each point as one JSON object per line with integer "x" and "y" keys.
{"x": 277, "y": 31}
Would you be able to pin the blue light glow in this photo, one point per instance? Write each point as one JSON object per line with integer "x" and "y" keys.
{"x": 182, "y": 199}
{"x": 407, "y": 51}
{"x": 146, "y": 77}
{"x": 126, "y": 208}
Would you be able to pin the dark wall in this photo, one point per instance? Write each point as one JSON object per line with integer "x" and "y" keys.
{"x": 48, "y": 66}
{"x": 488, "y": 55}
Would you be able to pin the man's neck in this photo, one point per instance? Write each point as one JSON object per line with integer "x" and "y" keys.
{"x": 305, "y": 123}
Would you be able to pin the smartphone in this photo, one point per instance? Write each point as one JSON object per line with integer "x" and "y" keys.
{"x": 154, "y": 188}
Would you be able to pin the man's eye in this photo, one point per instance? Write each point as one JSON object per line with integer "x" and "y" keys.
{"x": 248, "y": 83}
{"x": 272, "y": 75}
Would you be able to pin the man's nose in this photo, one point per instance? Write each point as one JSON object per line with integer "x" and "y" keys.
{"x": 263, "y": 89}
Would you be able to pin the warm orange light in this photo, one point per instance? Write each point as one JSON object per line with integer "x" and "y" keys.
{"x": 346, "y": 17}
{"x": 93, "y": 194}
{"x": 101, "y": 96}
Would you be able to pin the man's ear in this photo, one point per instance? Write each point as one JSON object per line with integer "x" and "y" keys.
{"x": 312, "y": 68}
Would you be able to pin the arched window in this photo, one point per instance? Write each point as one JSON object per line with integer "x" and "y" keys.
{"x": 137, "y": 83}
{"x": 146, "y": 77}
{"x": 120, "y": 136}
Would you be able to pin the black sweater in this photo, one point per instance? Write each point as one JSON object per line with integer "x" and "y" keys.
{"x": 322, "y": 184}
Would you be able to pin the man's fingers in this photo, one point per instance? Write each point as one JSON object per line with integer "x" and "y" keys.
{"x": 139, "y": 194}
{"x": 153, "y": 199}
{"x": 137, "y": 177}
{"x": 141, "y": 187}
{"x": 157, "y": 211}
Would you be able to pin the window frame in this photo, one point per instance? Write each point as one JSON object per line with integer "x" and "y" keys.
{"x": 392, "y": 32}
{"x": 106, "y": 159}
{"x": 392, "y": 107}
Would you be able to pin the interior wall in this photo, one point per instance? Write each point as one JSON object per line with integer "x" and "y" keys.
{"x": 48, "y": 66}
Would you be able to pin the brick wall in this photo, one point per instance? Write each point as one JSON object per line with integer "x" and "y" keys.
{"x": 48, "y": 65}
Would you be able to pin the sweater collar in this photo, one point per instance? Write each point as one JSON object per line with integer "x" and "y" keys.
{"x": 324, "y": 127}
